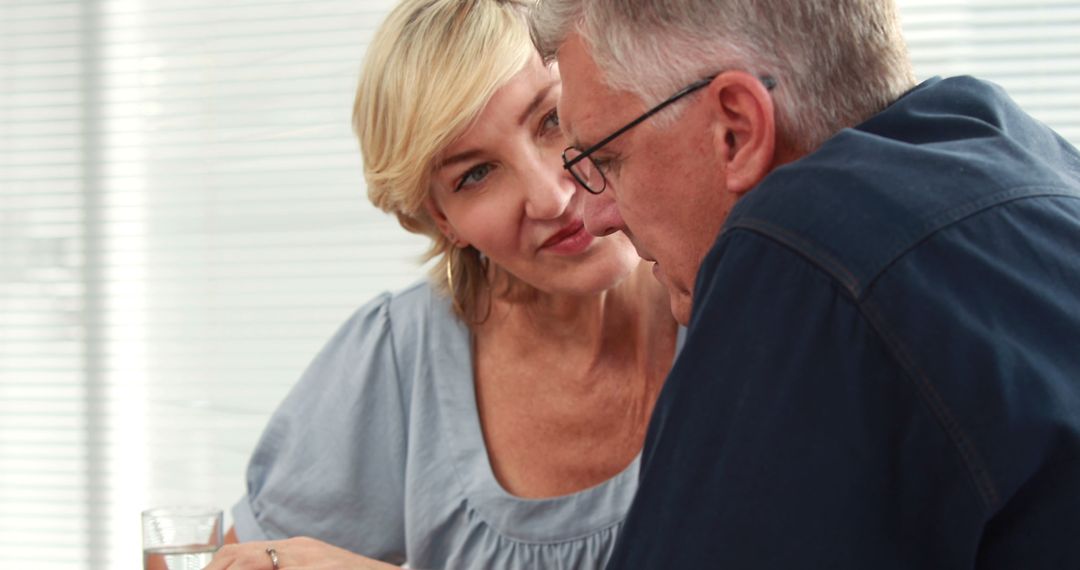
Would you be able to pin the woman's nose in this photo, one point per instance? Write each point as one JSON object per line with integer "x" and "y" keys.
{"x": 549, "y": 190}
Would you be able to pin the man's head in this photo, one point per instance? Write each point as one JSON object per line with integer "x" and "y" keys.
{"x": 673, "y": 178}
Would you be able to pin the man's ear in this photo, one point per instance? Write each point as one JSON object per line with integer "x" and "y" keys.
{"x": 745, "y": 131}
{"x": 439, "y": 217}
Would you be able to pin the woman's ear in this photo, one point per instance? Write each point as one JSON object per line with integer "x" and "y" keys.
{"x": 441, "y": 222}
{"x": 745, "y": 132}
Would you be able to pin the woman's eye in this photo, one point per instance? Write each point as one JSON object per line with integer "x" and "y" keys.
{"x": 550, "y": 121}
{"x": 472, "y": 176}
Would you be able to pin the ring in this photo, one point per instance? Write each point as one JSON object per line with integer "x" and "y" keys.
{"x": 273, "y": 556}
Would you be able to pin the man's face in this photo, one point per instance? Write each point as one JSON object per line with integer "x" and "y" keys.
{"x": 666, "y": 183}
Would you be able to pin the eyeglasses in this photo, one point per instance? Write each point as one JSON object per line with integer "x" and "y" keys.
{"x": 580, "y": 162}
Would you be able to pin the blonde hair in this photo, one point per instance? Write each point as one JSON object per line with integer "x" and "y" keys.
{"x": 429, "y": 71}
{"x": 836, "y": 62}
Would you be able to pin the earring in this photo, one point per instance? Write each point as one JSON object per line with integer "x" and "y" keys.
{"x": 450, "y": 281}
{"x": 450, "y": 263}
{"x": 450, "y": 271}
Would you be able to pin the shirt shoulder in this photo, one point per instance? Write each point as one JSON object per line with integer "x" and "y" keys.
{"x": 947, "y": 150}
{"x": 345, "y": 421}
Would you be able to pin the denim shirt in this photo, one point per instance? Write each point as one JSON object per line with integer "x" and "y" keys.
{"x": 882, "y": 368}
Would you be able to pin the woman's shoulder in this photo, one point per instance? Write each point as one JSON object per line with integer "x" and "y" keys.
{"x": 403, "y": 313}
{"x": 417, "y": 304}
{"x": 377, "y": 339}
{"x": 401, "y": 330}
{"x": 407, "y": 316}
{"x": 373, "y": 359}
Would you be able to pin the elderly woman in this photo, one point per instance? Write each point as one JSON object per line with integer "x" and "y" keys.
{"x": 493, "y": 415}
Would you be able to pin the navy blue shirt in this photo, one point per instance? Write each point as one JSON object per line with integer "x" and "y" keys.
{"x": 882, "y": 368}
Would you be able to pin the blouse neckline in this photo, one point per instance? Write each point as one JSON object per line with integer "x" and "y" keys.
{"x": 550, "y": 519}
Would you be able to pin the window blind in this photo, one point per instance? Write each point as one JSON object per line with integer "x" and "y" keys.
{"x": 1030, "y": 48}
{"x": 45, "y": 495}
{"x": 183, "y": 225}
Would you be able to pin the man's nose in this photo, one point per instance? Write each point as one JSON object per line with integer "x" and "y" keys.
{"x": 602, "y": 215}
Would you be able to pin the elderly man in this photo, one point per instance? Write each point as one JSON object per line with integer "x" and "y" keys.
{"x": 881, "y": 282}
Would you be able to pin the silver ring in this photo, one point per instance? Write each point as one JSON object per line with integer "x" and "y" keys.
{"x": 273, "y": 556}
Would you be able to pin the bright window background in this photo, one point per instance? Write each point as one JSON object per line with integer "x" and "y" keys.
{"x": 183, "y": 224}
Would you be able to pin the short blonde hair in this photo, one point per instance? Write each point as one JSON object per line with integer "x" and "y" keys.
{"x": 429, "y": 71}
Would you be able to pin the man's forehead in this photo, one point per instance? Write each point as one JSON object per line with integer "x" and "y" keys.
{"x": 585, "y": 100}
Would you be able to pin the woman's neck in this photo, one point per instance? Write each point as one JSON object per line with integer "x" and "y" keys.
{"x": 565, "y": 385}
{"x": 575, "y": 323}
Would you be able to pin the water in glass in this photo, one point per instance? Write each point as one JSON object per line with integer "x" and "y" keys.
{"x": 193, "y": 557}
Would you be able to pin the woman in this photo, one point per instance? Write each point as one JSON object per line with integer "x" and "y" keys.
{"x": 491, "y": 417}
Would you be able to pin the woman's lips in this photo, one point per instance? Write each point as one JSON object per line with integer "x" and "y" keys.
{"x": 569, "y": 240}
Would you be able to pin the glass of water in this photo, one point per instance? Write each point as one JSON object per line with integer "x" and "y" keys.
{"x": 180, "y": 538}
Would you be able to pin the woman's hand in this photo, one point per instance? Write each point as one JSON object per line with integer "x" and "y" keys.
{"x": 292, "y": 554}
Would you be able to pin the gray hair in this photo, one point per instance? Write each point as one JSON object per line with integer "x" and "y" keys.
{"x": 836, "y": 62}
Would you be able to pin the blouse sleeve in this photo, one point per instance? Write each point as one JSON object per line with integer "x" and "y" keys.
{"x": 331, "y": 462}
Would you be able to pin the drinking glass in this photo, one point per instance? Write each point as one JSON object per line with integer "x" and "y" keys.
{"x": 180, "y": 538}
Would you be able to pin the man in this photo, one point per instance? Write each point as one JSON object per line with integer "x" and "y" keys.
{"x": 881, "y": 283}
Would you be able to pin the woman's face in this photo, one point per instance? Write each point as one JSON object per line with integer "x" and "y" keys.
{"x": 501, "y": 188}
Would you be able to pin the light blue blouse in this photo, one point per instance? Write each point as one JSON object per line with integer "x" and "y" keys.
{"x": 379, "y": 449}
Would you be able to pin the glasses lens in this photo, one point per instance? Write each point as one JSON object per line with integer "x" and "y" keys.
{"x": 585, "y": 171}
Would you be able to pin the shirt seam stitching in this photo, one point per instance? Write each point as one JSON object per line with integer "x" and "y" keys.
{"x": 922, "y": 384}
{"x": 948, "y": 218}
{"x": 932, "y": 399}
{"x": 591, "y": 533}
